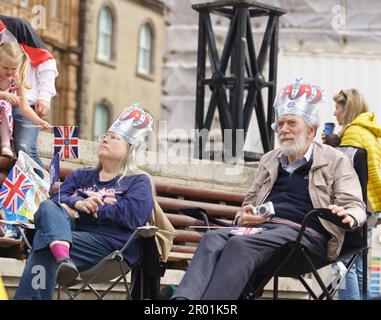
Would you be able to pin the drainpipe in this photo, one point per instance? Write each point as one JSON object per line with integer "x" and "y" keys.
{"x": 81, "y": 42}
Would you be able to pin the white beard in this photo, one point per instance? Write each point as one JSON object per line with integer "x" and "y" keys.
{"x": 291, "y": 147}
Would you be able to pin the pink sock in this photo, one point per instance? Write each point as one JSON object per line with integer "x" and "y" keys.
{"x": 59, "y": 251}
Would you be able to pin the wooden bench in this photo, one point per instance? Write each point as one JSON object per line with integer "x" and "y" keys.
{"x": 172, "y": 198}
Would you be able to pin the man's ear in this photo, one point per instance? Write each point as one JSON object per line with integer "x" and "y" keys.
{"x": 312, "y": 131}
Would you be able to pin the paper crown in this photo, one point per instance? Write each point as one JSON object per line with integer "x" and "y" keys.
{"x": 132, "y": 123}
{"x": 301, "y": 99}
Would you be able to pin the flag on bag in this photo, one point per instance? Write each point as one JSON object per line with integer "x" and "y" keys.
{"x": 54, "y": 170}
{"x": 243, "y": 231}
{"x": 14, "y": 190}
{"x": 66, "y": 142}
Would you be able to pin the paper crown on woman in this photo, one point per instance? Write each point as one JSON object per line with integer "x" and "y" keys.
{"x": 299, "y": 98}
{"x": 132, "y": 123}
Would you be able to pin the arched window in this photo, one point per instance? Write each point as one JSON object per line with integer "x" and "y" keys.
{"x": 101, "y": 120}
{"x": 105, "y": 34}
{"x": 145, "y": 50}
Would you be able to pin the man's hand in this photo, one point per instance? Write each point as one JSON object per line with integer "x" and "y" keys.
{"x": 42, "y": 108}
{"x": 89, "y": 205}
{"x": 341, "y": 212}
{"x": 247, "y": 219}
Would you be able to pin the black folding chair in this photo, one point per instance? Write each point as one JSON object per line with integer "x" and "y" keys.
{"x": 294, "y": 260}
{"x": 113, "y": 268}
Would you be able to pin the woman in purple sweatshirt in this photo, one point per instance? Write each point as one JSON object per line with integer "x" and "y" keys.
{"x": 98, "y": 211}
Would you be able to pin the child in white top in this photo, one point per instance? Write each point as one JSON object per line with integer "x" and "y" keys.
{"x": 13, "y": 87}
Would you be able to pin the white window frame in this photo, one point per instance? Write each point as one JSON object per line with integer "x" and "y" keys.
{"x": 145, "y": 50}
{"x": 108, "y": 33}
{"x": 24, "y": 3}
{"x": 106, "y": 110}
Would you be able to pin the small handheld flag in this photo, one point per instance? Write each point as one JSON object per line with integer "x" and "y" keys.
{"x": 66, "y": 142}
{"x": 54, "y": 170}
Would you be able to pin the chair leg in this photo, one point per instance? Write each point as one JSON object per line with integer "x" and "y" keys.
{"x": 129, "y": 297}
{"x": 85, "y": 284}
{"x": 275, "y": 271}
{"x": 141, "y": 284}
{"x": 94, "y": 291}
{"x": 275, "y": 289}
{"x": 318, "y": 278}
{"x": 111, "y": 287}
{"x": 308, "y": 288}
{"x": 365, "y": 274}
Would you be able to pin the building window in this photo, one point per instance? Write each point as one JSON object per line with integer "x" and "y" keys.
{"x": 105, "y": 34}
{"x": 145, "y": 50}
{"x": 24, "y": 3}
{"x": 101, "y": 120}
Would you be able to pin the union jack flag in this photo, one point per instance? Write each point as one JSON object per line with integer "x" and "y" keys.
{"x": 66, "y": 142}
{"x": 14, "y": 190}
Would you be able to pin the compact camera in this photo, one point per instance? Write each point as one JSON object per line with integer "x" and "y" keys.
{"x": 265, "y": 209}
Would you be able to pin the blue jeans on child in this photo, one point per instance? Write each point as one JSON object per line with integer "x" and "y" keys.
{"x": 25, "y": 139}
{"x": 52, "y": 223}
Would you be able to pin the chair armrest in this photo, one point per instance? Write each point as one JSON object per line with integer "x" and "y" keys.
{"x": 202, "y": 215}
{"x": 325, "y": 214}
{"x": 144, "y": 232}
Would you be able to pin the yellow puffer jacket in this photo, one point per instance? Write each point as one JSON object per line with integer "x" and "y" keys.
{"x": 364, "y": 132}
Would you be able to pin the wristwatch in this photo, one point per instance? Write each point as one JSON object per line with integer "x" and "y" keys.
{"x": 75, "y": 214}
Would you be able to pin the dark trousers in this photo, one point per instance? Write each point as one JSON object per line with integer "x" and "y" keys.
{"x": 52, "y": 223}
{"x": 223, "y": 264}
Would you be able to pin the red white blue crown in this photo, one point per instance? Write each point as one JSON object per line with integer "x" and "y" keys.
{"x": 132, "y": 123}
{"x": 301, "y": 99}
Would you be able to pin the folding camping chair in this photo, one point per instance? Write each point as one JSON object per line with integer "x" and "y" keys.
{"x": 294, "y": 260}
{"x": 113, "y": 268}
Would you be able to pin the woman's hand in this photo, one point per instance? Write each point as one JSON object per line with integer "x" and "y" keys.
{"x": 12, "y": 98}
{"x": 89, "y": 205}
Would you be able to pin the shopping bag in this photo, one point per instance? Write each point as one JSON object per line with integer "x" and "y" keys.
{"x": 41, "y": 184}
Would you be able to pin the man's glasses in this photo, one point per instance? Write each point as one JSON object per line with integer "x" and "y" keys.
{"x": 110, "y": 137}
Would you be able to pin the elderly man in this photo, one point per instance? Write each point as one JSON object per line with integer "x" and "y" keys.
{"x": 299, "y": 176}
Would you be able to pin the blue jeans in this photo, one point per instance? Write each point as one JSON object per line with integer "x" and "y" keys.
{"x": 353, "y": 281}
{"x": 25, "y": 139}
{"x": 52, "y": 223}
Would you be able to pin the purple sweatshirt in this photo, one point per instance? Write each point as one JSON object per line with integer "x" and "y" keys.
{"x": 116, "y": 221}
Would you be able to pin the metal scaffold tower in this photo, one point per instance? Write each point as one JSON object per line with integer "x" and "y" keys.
{"x": 237, "y": 78}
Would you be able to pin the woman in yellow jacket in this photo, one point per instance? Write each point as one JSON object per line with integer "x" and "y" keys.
{"x": 360, "y": 129}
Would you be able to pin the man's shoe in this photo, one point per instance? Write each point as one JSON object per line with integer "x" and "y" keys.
{"x": 67, "y": 273}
